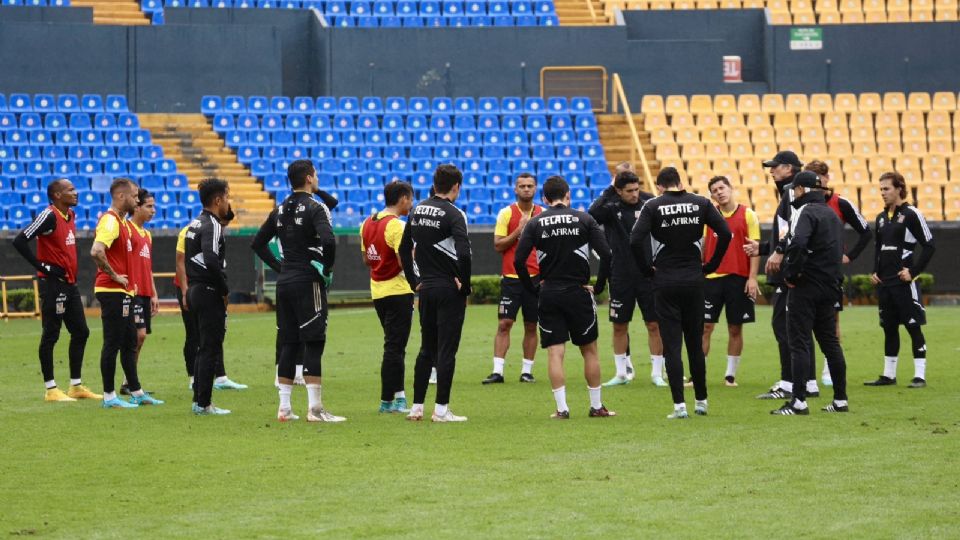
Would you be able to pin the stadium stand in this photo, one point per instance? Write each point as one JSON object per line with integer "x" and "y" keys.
{"x": 858, "y": 136}
{"x": 357, "y": 144}
{"x": 811, "y": 11}
{"x": 90, "y": 140}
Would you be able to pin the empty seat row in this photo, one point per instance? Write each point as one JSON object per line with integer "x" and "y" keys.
{"x": 211, "y": 105}
{"x": 67, "y": 137}
{"x": 101, "y": 153}
{"x": 800, "y": 103}
{"x": 358, "y": 139}
{"x": 397, "y": 155}
{"x": 396, "y": 122}
{"x": 66, "y": 103}
{"x": 55, "y": 121}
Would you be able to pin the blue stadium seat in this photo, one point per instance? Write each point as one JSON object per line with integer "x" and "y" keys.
{"x": 258, "y": 104}
{"x": 418, "y": 105}
{"x": 7, "y": 121}
{"x": 91, "y": 103}
{"x": 116, "y": 103}
{"x": 280, "y": 105}
{"x": 303, "y": 105}
{"x": 557, "y": 105}
{"x": 20, "y": 103}
{"x": 348, "y": 105}
{"x": 44, "y": 103}
{"x": 581, "y": 105}
{"x": 548, "y": 20}
{"x": 534, "y": 105}
{"x": 234, "y": 105}
{"x": 503, "y": 20}
{"x": 585, "y": 121}
{"x": 481, "y": 21}
{"x": 383, "y": 8}
{"x": 544, "y": 7}
{"x": 406, "y": 8}
{"x": 30, "y": 121}
{"x": 412, "y": 21}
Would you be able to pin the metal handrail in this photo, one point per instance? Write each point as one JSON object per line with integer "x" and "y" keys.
{"x": 593, "y": 13}
{"x": 6, "y": 314}
{"x": 618, "y": 96}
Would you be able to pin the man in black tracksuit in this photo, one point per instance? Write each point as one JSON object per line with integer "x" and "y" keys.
{"x": 811, "y": 270}
{"x": 564, "y": 238}
{"x": 302, "y": 226}
{"x": 204, "y": 253}
{"x": 673, "y": 226}
{"x": 617, "y": 210}
{"x": 438, "y": 231}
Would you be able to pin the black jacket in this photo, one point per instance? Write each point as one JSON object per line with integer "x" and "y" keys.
{"x": 898, "y": 236}
{"x": 438, "y": 230}
{"x": 814, "y": 247}
{"x": 852, "y": 217}
{"x": 302, "y": 226}
{"x": 563, "y": 238}
{"x": 268, "y": 231}
{"x": 617, "y": 219}
{"x": 204, "y": 251}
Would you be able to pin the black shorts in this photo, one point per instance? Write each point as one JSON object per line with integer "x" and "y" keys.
{"x": 141, "y": 312}
{"x": 569, "y": 313}
{"x": 901, "y": 304}
{"x": 727, "y": 291}
{"x": 301, "y": 312}
{"x": 514, "y": 297}
{"x": 625, "y": 294}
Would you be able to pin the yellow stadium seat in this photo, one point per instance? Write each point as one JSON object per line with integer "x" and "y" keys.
{"x": 684, "y": 4}
{"x": 858, "y": 119}
{"x": 841, "y": 149}
{"x": 889, "y": 147}
{"x": 700, "y": 104}
{"x": 730, "y": 4}
{"x": 938, "y": 118}
{"x": 915, "y": 133}
{"x": 687, "y": 135}
{"x": 888, "y": 133}
{"x": 956, "y": 122}
{"x": 942, "y": 148}
{"x": 707, "y": 120}
{"x": 821, "y": 103}
{"x": 945, "y": 101}
{"x": 918, "y": 101}
{"x": 677, "y": 105}
{"x": 907, "y": 161}
{"x": 724, "y": 103}
{"x": 748, "y": 103}
{"x": 873, "y": 6}
{"x": 717, "y": 150}
{"x": 855, "y": 175}
{"x": 912, "y": 118}
{"x": 752, "y": 176}
{"x": 758, "y": 119}
{"x": 692, "y": 150}
{"x": 764, "y": 150}
{"x": 675, "y": 162}
{"x": 784, "y": 119}
{"x": 801, "y": 6}
{"x": 915, "y": 147}
{"x": 661, "y": 4}
{"x": 854, "y": 17}
{"x": 652, "y": 104}
{"x": 697, "y": 165}
{"x": 838, "y": 119}
{"x": 732, "y": 120}
{"x": 862, "y": 133}
{"x": 853, "y": 162}
{"x": 907, "y": 16}
{"x": 936, "y": 175}
{"x": 826, "y": 6}
{"x": 938, "y": 133}
{"x": 878, "y": 164}
{"x": 771, "y": 103}
{"x": 809, "y": 119}
{"x": 805, "y": 17}
{"x": 945, "y": 16}
{"x": 738, "y": 135}
{"x": 706, "y": 4}
{"x": 660, "y": 135}
{"x": 667, "y": 151}
{"x": 952, "y": 189}
{"x": 928, "y": 191}
{"x": 787, "y": 133}
{"x": 871, "y": 203}
{"x": 898, "y": 6}
{"x": 874, "y": 17}
{"x": 754, "y": 4}
{"x": 654, "y": 120}
{"x": 837, "y": 134}
{"x": 894, "y": 101}
{"x": 887, "y": 118}
{"x": 850, "y": 6}
{"x": 870, "y": 102}
{"x": 741, "y": 150}
{"x": 922, "y": 4}
{"x": 912, "y": 176}
{"x": 865, "y": 148}
{"x": 712, "y": 135}
{"x": 930, "y": 161}
{"x": 781, "y": 18}
{"x": 762, "y": 134}
{"x": 778, "y": 6}
{"x": 830, "y": 17}
{"x": 951, "y": 208}
{"x": 812, "y": 134}
{"x": 724, "y": 164}
{"x": 812, "y": 150}
{"x": 945, "y": 5}
{"x": 845, "y": 103}
{"x": 797, "y": 103}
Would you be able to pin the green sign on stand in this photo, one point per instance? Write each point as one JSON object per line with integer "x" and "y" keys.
{"x": 806, "y": 39}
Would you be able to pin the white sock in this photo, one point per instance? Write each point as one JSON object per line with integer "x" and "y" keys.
{"x": 285, "y": 391}
{"x": 527, "y": 367}
{"x": 439, "y": 410}
{"x": 702, "y": 403}
{"x": 679, "y": 407}
{"x": 498, "y": 365}
{"x": 826, "y": 369}
{"x": 656, "y": 360}
{"x": 417, "y": 408}
{"x": 299, "y": 372}
{"x": 733, "y": 362}
{"x": 313, "y": 396}
{"x": 629, "y": 362}
{"x": 920, "y": 368}
{"x": 400, "y": 395}
{"x": 138, "y": 393}
{"x": 812, "y": 386}
{"x": 621, "y": 361}
{"x": 50, "y": 384}
{"x": 890, "y": 367}
{"x": 788, "y": 386}
{"x": 221, "y": 380}
{"x": 191, "y": 381}
{"x": 840, "y": 402}
{"x": 799, "y": 405}
{"x": 433, "y": 373}
{"x": 560, "y": 396}
{"x": 595, "y": 401}
{"x": 107, "y": 396}
{"x": 75, "y": 382}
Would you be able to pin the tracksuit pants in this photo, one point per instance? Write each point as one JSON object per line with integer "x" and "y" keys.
{"x": 60, "y": 304}
{"x": 191, "y": 340}
{"x": 396, "y": 316}
{"x": 119, "y": 335}
{"x": 442, "y": 312}
{"x": 680, "y": 308}
{"x": 779, "y": 323}
{"x": 210, "y": 311}
{"x": 811, "y": 308}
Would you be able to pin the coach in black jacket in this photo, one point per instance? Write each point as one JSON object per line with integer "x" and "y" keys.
{"x": 812, "y": 273}
{"x": 673, "y": 226}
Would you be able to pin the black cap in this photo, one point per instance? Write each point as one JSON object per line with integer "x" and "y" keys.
{"x": 784, "y": 157}
{"x": 807, "y": 179}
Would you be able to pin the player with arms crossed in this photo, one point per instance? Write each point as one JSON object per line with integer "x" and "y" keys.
{"x": 564, "y": 238}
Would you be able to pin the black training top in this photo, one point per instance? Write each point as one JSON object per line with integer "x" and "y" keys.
{"x": 268, "y": 231}
{"x": 814, "y": 247}
{"x": 672, "y": 225}
{"x": 438, "y": 230}
{"x": 851, "y": 216}
{"x": 563, "y": 238}
{"x": 204, "y": 252}
{"x": 898, "y": 235}
{"x": 617, "y": 219}
{"x": 302, "y": 227}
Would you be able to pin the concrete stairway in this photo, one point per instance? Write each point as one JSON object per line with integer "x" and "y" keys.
{"x": 576, "y": 13}
{"x": 118, "y": 12}
{"x": 200, "y": 153}
{"x": 617, "y": 144}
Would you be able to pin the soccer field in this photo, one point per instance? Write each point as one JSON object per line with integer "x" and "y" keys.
{"x": 886, "y": 470}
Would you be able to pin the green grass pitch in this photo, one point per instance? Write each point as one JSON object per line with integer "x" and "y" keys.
{"x": 888, "y": 469}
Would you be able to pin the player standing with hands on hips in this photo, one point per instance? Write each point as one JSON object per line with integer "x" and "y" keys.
{"x": 673, "y": 226}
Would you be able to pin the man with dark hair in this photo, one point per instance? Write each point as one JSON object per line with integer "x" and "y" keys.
{"x": 813, "y": 256}
{"x": 302, "y": 226}
{"x": 145, "y": 301}
{"x": 56, "y": 263}
{"x": 901, "y": 228}
{"x": 734, "y": 284}
{"x": 848, "y": 214}
{"x": 783, "y": 167}
{"x": 563, "y": 238}
{"x": 617, "y": 210}
{"x": 438, "y": 229}
{"x": 392, "y": 296}
{"x": 205, "y": 255}
{"x": 514, "y": 297}
{"x": 112, "y": 251}
{"x": 672, "y": 224}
